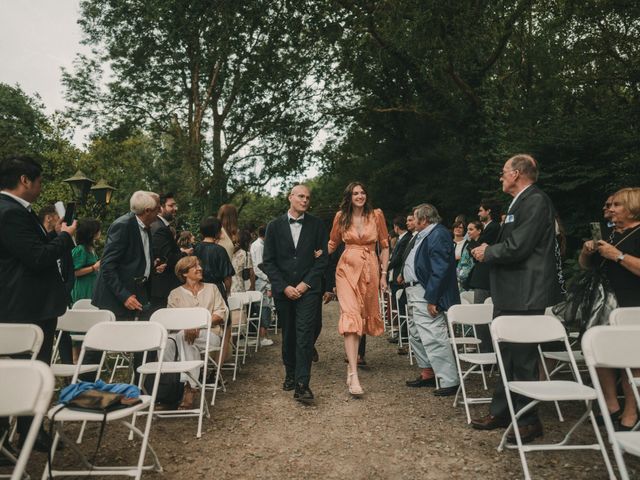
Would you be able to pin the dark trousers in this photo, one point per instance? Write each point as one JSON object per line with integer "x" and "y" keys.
{"x": 482, "y": 331}
{"x": 520, "y": 364}
{"x": 48, "y": 329}
{"x": 299, "y": 326}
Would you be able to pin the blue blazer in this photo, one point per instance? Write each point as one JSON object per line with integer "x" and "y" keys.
{"x": 435, "y": 267}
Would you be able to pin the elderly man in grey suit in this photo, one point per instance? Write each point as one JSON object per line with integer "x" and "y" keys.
{"x": 524, "y": 281}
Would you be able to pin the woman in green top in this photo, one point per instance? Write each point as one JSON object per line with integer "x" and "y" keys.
{"x": 85, "y": 260}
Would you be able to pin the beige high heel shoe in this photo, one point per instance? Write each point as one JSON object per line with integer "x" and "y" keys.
{"x": 354, "y": 391}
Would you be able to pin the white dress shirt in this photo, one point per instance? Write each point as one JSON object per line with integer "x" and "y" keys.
{"x": 516, "y": 197}
{"x": 145, "y": 246}
{"x": 296, "y": 228}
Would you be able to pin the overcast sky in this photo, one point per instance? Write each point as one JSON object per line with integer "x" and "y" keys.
{"x": 37, "y": 38}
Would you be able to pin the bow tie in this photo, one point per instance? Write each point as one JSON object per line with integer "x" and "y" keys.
{"x": 295, "y": 220}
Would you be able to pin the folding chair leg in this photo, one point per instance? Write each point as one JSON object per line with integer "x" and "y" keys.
{"x": 548, "y": 377}
{"x": 80, "y": 435}
{"x": 484, "y": 378}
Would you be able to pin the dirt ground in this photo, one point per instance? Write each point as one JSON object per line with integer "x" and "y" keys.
{"x": 258, "y": 431}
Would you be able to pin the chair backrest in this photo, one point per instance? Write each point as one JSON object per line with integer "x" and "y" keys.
{"x": 182, "y": 318}
{"x": 18, "y": 338}
{"x": 242, "y": 296}
{"x": 627, "y": 316}
{"x": 466, "y": 297}
{"x": 81, "y": 321}
{"x": 26, "y": 386}
{"x": 254, "y": 296}
{"x": 234, "y": 302}
{"x": 612, "y": 346}
{"x": 399, "y": 293}
{"x": 527, "y": 329}
{"x": 475, "y": 314}
{"x": 488, "y": 301}
{"x": 125, "y": 336}
{"x": 84, "y": 304}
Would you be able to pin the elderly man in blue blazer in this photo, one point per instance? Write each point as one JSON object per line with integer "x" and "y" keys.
{"x": 430, "y": 278}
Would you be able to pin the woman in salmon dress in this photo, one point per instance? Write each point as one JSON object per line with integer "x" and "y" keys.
{"x": 360, "y": 272}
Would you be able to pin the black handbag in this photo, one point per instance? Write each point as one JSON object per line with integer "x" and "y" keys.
{"x": 246, "y": 271}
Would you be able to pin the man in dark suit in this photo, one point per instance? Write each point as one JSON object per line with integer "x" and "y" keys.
{"x": 123, "y": 283}
{"x": 524, "y": 281}
{"x": 395, "y": 266}
{"x": 295, "y": 274}
{"x": 489, "y": 215}
{"x": 166, "y": 249}
{"x": 432, "y": 287}
{"x": 31, "y": 284}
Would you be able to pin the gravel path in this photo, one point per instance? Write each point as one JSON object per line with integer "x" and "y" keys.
{"x": 258, "y": 431}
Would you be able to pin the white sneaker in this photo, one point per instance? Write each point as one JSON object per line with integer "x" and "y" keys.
{"x": 266, "y": 342}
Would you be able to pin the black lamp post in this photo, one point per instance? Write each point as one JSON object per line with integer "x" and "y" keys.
{"x": 80, "y": 185}
{"x": 102, "y": 192}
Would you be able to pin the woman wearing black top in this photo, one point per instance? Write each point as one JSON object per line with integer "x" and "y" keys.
{"x": 216, "y": 266}
{"x": 620, "y": 261}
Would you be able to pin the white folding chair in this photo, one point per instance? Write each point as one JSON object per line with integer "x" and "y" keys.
{"x": 20, "y": 338}
{"x": 236, "y": 312}
{"x": 470, "y": 315}
{"x": 614, "y": 347}
{"x": 27, "y": 387}
{"x": 403, "y": 319}
{"x": 79, "y": 321}
{"x": 83, "y": 304}
{"x": 539, "y": 329}
{"x": 625, "y": 317}
{"x": 217, "y": 363}
{"x": 17, "y": 339}
{"x": 488, "y": 301}
{"x": 254, "y": 319}
{"x": 174, "y": 320}
{"x": 466, "y": 298}
{"x": 113, "y": 337}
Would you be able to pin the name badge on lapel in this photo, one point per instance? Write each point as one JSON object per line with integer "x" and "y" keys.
{"x": 509, "y": 219}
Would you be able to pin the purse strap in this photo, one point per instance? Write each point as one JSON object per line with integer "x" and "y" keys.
{"x": 636, "y": 229}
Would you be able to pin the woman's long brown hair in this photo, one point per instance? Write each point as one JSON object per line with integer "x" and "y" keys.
{"x": 346, "y": 207}
{"x": 228, "y": 216}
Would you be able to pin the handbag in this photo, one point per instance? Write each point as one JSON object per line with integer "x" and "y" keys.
{"x": 590, "y": 298}
{"x": 246, "y": 271}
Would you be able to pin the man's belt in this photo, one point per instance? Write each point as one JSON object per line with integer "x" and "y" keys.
{"x": 411, "y": 284}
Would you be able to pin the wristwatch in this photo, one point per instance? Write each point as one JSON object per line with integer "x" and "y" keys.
{"x": 620, "y": 258}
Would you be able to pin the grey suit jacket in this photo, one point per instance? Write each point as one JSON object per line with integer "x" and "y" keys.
{"x": 123, "y": 261}
{"x": 523, "y": 264}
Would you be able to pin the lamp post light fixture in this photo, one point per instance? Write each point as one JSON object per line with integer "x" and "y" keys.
{"x": 102, "y": 192}
{"x": 80, "y": 185}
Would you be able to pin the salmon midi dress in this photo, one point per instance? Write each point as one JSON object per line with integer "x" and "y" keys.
{"x": 358, "y": 274}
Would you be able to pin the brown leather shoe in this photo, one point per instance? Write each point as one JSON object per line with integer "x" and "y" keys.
{"x": 490, "y": 422}
{"x": 528, "y": 433}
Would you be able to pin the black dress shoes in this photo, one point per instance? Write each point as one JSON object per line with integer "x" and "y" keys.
{"x": 314, "y": 356}
{"x": 303, "y": 394}
{"x": 446, "y": 391}
{"x": 393, "y": 339}
{"x": 421, "y": 382}
{"x": 528, "y": 433}
{"x": 489, "y": 422}
{"x": 289, "y": 384}
{"x": 43, "y": 442}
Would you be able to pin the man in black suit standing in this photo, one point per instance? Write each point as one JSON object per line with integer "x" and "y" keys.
{"x": 395, "y": 267}
{"x": 295, "y": 273}
{"x": 32, "y": 289}
{"x": 166, "y": 249}
{"x": 524, "y": 281}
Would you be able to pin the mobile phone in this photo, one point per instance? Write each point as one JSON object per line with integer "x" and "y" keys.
{"x": 596, "y": 231}
{"x": 70, "y": 213}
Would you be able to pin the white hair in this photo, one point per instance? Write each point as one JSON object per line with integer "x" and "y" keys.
{"x": 426, "y": 211}
{"x": 141, "y": 201}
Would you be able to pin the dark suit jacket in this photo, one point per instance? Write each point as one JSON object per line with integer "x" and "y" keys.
{"x": 395, "y": 262}
{"x": 480, "y": 273}
{"x": 31, "y": 288}
{"x": 164, "y": 246}
{"x": 523, "y": 265}
{"x": 286, "y": 265}
{"x": 435, "y": 267}
{"x": 122, "y": 261}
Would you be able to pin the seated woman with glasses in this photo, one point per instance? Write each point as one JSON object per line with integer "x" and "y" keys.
{"x": 195, "y": 293}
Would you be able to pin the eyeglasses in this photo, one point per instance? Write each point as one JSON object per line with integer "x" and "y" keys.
{"x": 504, "y": 172}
